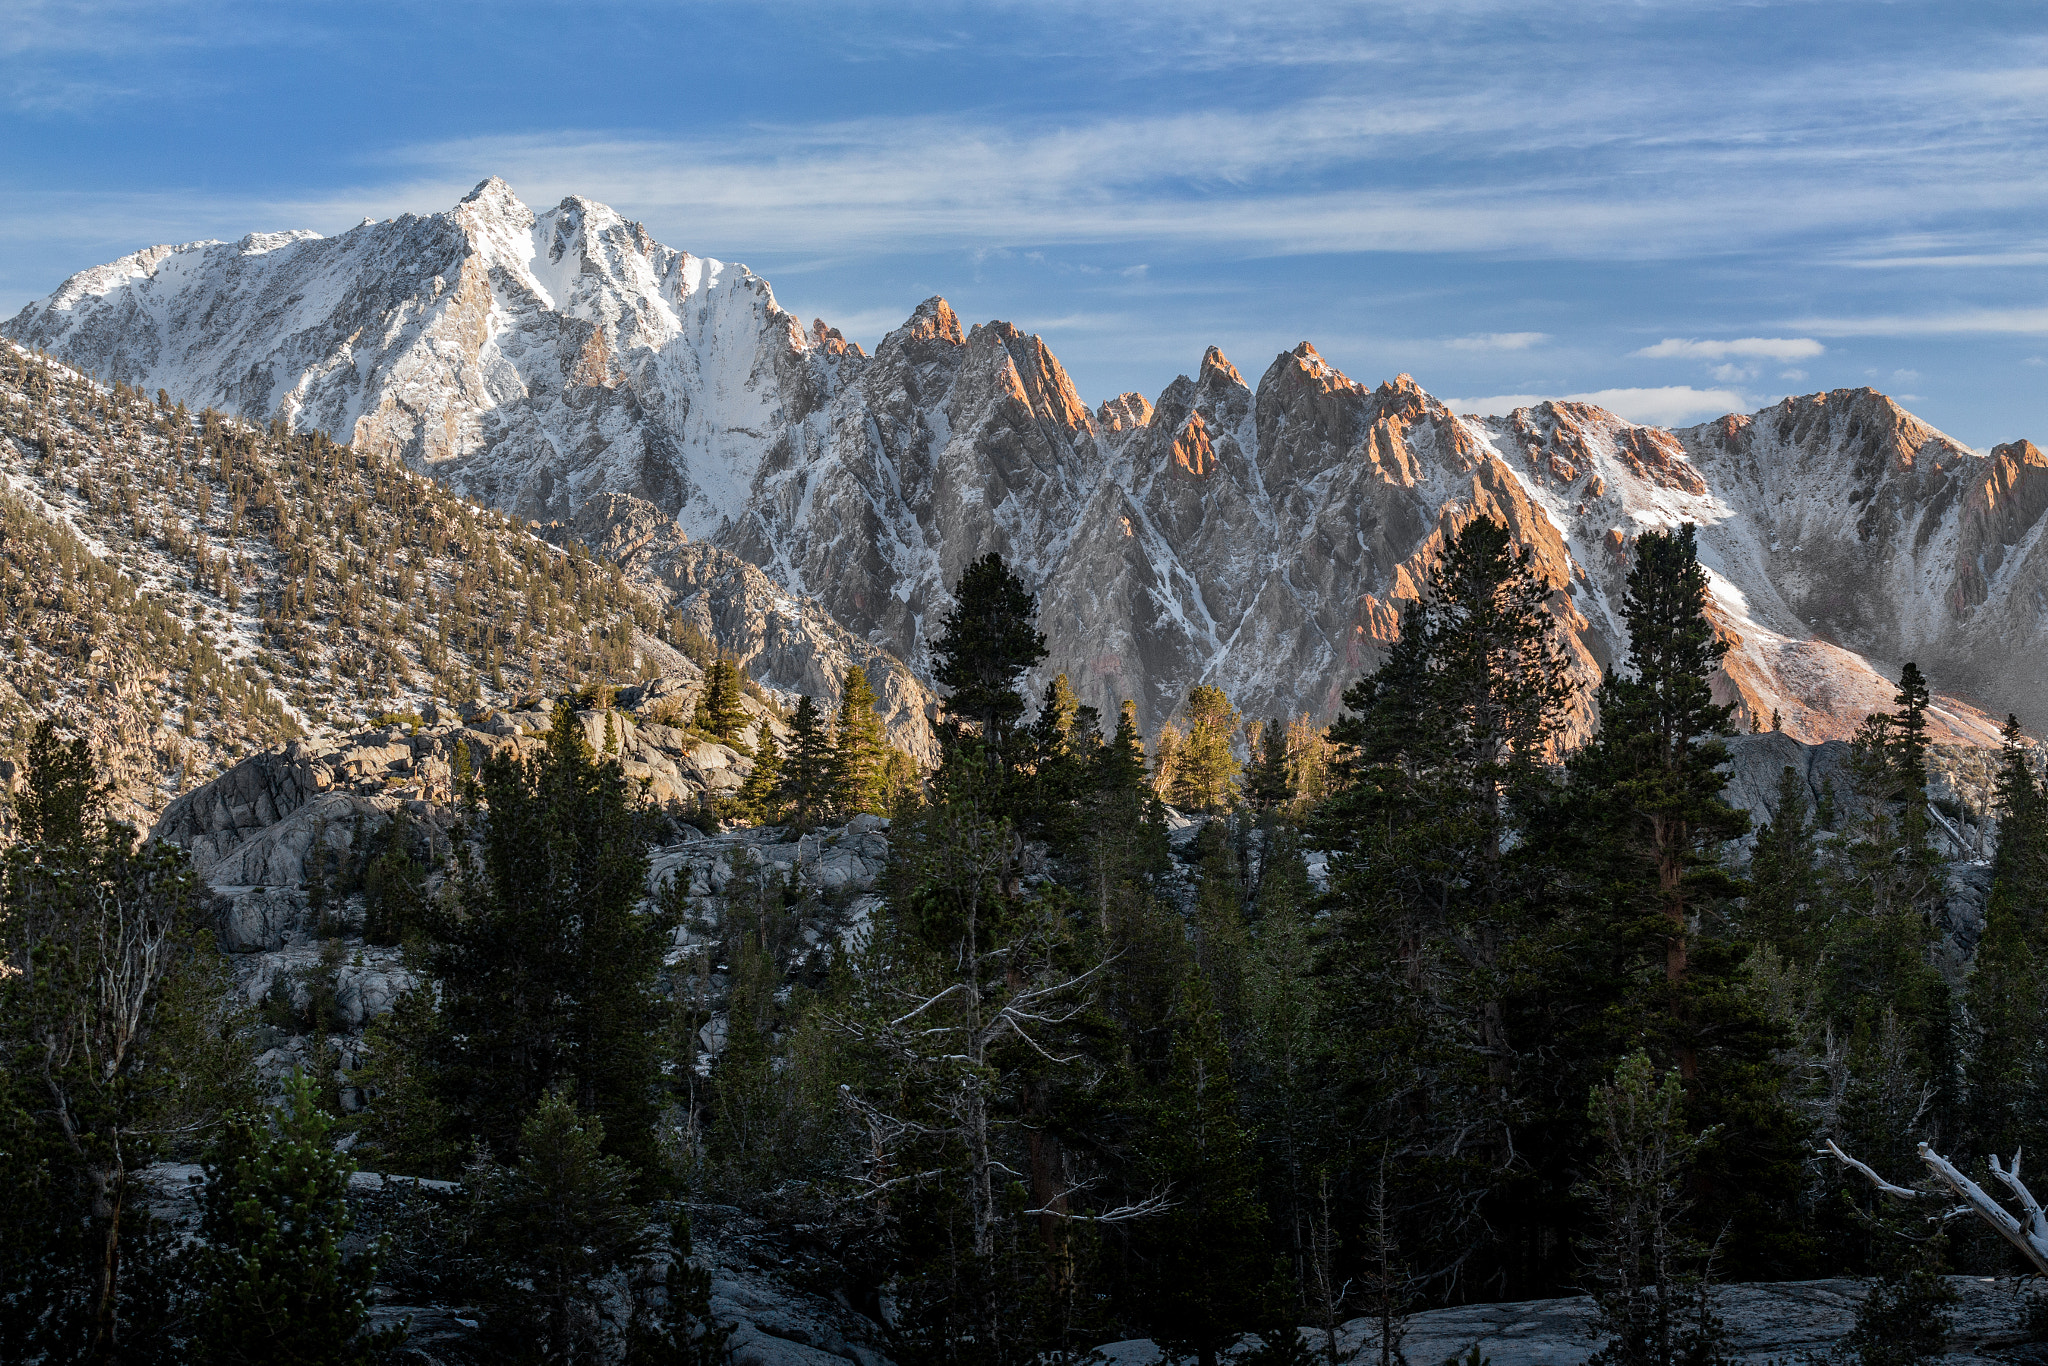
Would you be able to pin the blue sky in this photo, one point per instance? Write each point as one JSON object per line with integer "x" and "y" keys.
{"x": 1680, "y": 207}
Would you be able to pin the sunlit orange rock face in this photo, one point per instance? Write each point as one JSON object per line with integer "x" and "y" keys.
{"x": 1263, "y": 536}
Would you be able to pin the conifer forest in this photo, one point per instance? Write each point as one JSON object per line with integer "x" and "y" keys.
{"x": 1255, "y": 1038}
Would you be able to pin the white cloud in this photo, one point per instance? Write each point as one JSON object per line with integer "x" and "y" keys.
{"x": 1493, "y": 405}
{"x": 2019, "y": 321}
{"x": 1764, "y": 348}
{"x": 1792, "y": 374}
{"x": 2035, "y": 360}
{"x": 1732, "y": 374}
{"x": 1498, "y": 341}
{"x": 1663, "y": 407}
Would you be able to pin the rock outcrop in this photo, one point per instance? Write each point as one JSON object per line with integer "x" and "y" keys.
{"x": 1767, "y": 1322}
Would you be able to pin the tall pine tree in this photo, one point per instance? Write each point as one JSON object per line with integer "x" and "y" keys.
{"x": 985, "y": 644}
{"x": 1649, "y": 795}
{"x": 859, "y": 753}
{"x": 805, "y": 785}
{"x": 544, "y": 966}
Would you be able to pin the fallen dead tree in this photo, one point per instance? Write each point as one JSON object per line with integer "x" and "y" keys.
{"x": 2028, "y": 1234}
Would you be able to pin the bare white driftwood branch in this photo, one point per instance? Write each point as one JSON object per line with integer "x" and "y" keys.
{"x": 2030, "y": 1235}
{"x": 1902, "y": 1192}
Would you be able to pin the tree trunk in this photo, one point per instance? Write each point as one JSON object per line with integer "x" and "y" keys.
{"x": 109, "y": 1198}
{"x": 1670, "y": 837}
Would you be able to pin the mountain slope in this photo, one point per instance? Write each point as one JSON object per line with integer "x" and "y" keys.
{"x": 1260, "y": 536}
{"x": 188, "y": 589}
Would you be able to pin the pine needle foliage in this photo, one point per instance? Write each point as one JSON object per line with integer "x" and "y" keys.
{"x": 275, "y": 1286}
{"x": 544, "y": 966}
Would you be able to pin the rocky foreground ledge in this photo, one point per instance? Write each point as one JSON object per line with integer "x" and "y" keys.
{"x": 780, "y": 1324}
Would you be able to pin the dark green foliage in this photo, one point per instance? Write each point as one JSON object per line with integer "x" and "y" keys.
{"x": 1909, "y": 751}
{"x": 1204, "y": 776}
{"x": 985, "y": 644}
{"x": 274, "y": 1286}
{"x": 720, "y": 711}
{"x": 408, "y": 1128}
{"x": 759, "y": 801}
{"x": 1207, "y": 1272}
{"x": 1270, "y": 783}
{"x": 2006, "y": 997}
{"x": 1906, "y": 1310}
{"x": 859, "y": 753}
{"x": 1784, "y": 906}
{"x": 686, "y": 1333}
{"x": 115, "y": 1032}
{"x": 546, "y": 971}
{"x": 1441, "y": 912}
{"x": 1655, "y": 771}
{"x": 546, "y": 1230}
{"x": 1120, "y": 765}
{"x": 2006, "y": 1003}
{"x": 1066, "y": 751}
{"x": 1648, "y": 797}
{"x": 393, "y": 895}
{"x": 805, "y": 784}
{"x": 1648, "y": 1273}
{"x": 2021, "y": 867}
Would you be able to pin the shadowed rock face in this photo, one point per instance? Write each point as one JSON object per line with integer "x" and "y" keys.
{"x": 1261, "y": 537}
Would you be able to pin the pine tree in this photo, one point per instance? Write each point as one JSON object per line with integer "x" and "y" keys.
{"x": 1909, "y": 744}
{"x": 757, "y": 800}
{"x": 2021, "y": 864}
{"x": 544, "y": 966}
{"x": 1441, "y": 747}
{"x": 805, "y": 786}
{"x": 1120, "y": 766}
{"x": 1655, "y": 823}
{"x": 1205, "y": 774}
{"x": 1783, "y": 907}
{"x": 1166, "y": 761}
{"x": 687, "y": 1333}
{"x": 1066, "y": 741}
{"x": 721, "y": 711}
{"x": 274, "y": 1284}
{"x": 859, "y": 752}
{"x": 1646, "y": 1264}
{"x": 1208, "y": 1274}
{"x": 549, "y": 1229}
{"x": 1270, "y": 784}
{"x": 114, "y": 1032}
{"x": 2006, "y": 1075}
{"x": 985, "y": 644}
{"x": 1657, "y": 763}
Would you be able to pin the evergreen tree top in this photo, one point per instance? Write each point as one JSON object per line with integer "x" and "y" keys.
{"x": 986, "y": 643}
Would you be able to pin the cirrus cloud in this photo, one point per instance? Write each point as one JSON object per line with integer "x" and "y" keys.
{"x": 1663, "y": 406}
{"x": 1498, "y": 341}
{"x": 1762, "y": 348}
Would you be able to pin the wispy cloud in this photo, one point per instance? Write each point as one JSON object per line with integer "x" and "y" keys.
{"x": 2022, "y": 321}
{"x": 1601, "y": 170}
{"x": 1498, "y": 341}
{"x": 1663, "y": 406}
{"x": 1763, "y": 348}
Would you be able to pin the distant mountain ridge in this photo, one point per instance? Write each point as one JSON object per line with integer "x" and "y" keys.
{"x": 1258, "y": 536}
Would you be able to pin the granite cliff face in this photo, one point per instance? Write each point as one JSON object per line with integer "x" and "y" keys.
{"x": 1261, "y": 536}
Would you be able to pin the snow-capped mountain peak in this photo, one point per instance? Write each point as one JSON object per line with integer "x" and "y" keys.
{"x": 1260, "y": 536}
